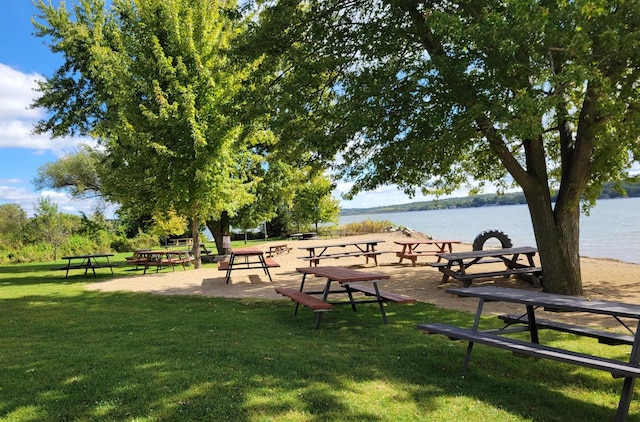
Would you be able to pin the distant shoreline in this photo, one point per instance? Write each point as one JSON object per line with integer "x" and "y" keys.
{"x": 476, "y": 201}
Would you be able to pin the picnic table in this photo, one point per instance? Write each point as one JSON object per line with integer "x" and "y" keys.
{"x": 278, "y": 249}
{"x": 534, "y": 301}
{"x": 183, "y": 241}
{"x": 366, "y": 248}
{"x": 88, "y": 262}
{"x": 245, "y": 259}
{"x": 351, "y": 282}
{"x": 303, "y": 236}
{"x": 457, "y": 263}
{"x": 160, "y": 258}
{"x": 411, "y": 248}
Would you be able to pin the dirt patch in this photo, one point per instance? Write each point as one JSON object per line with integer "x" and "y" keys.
{"x": 603, "y": 279}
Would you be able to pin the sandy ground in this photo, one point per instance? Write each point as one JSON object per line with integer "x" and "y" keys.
{"x": 603, "y": 279}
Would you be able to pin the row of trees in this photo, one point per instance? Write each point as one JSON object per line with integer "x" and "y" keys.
{"x": 49, "y": 234}
{"x": 630, "y": 189}
{"x": 215, "y": 111}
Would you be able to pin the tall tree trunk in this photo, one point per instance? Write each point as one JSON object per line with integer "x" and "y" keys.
{"x": 195, "y": 234}
{"x": 557, "y": 236}
{"x": 219, "y": 228}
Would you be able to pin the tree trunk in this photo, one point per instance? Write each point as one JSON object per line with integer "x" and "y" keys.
{"x": 218, "y": 228}
{"x": 557, "y": 235}
{"x": 195, "y": 234}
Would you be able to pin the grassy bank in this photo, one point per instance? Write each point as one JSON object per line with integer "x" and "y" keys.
{"x": 69, "y": 354}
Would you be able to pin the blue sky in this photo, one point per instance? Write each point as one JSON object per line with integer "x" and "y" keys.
{"x": 24, "y": 59}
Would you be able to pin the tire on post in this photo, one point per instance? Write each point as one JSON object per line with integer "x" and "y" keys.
{"x": 481, "y": 239}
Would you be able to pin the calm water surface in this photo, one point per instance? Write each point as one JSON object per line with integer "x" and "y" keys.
{"x": 611, "y": 230}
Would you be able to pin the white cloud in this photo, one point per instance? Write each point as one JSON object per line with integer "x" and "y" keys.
{"x": 17, "y": 93}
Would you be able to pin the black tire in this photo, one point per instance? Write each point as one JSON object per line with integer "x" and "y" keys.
{"x": 480, "y": 240}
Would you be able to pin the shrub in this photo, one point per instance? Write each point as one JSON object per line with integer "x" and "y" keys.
{"x": 33, "y": 252}
{"x": 368, "y": 226}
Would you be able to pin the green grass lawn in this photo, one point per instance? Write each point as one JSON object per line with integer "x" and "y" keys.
{"x": 67, "y": 354}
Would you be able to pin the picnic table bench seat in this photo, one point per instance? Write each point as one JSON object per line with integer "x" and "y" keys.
{"x": 87, "y": 266}
{"x": 300, "y": 298}
{"x": 384, "y": 295}
{"x": 618, "y": 369}
{"x": 270, "y": 262}
{"x": 304, "y": 299}
{"x": 468, "y": 278}
{"x": 605, "y": 337}
{"x": 317, "y": 258}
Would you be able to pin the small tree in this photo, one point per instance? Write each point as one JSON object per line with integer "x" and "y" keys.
{"x": 49, "y": 225}
{"x": 314, "y": 204}
{"x": 13, "y": 219}
{"x": 169, "y": 224}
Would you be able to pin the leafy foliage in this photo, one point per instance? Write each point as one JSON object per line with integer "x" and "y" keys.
{"x": 425, "y": 95}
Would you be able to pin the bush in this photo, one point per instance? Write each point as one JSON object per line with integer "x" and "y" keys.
{"x": 79, "y": 245}
{"x": 34, "y": 252}
{"x": 141, "y": 241}
{"x": 368, "y": 226}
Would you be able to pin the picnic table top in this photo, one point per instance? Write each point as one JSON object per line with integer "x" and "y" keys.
{"x": 341, "y": 244}
{"x": 423, "y": 241}
{"x": 248, "y": 251}
{"x": 550, "y": 300}
{"x": 453, "y": 256}
{"x": 93, "y": 255}
{"x": 342, "y": 274}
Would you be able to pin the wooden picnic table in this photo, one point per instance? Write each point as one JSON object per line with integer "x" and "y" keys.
{"x": 318, "y": 252}
{"x": 88, "y": 262}
{"x": 278, "y": 249}
{"x": 351, "y": 282}
{"x": 411, "y": 248}
{"x": 245, "y": 259}
{"x": 529, "y": 321}
{"x": 457, "y": 263}
{"x": 160, "y": 258}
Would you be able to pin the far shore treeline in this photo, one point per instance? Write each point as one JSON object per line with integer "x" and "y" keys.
{"x": 625, "y": 190}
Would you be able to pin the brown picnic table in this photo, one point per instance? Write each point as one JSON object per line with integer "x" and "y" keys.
{"x": 414, "y": 248}
{"x": 318, "y": 252}
{"x": 527, "y": 320}
{"x": 160, "y": 258}
{"x": 352, "y": 282}
{"x": 278, "y": 249}
{"x": 456, "y": 264}
{"x": 246, "y": 259}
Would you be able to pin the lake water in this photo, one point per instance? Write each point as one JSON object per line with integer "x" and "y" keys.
{"x": 611, "y": 230}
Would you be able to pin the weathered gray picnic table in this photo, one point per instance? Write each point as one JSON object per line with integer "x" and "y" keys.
{"x": 457, "y": 263}
{"x": 528, "y": 321}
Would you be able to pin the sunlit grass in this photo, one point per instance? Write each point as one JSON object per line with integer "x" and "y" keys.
{"x": 70, "y": 354}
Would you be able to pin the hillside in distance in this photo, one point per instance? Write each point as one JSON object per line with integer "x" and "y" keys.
{"x": 629, "y": 189}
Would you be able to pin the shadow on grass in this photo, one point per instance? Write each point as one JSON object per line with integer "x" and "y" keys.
{"x": 105, "y": 357}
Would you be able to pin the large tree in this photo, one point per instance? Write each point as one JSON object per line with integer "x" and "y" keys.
{"x": 544, "y": 94}
{"x": 154, "y": 81}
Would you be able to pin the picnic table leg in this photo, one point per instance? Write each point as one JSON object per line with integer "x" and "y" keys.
{"x": 295, "y": 309}
{"x": 476, "y": 323}
{"x": 349, "y": 292}
{"x": 533, "y": 328}
{"x": 110, "y": 266}
{"x": 231, "y": 260}
{"x": 68, "y": 267}
{"x": 264, "y": 266}
{"x": 627, "y": 388}
{"x": 380, "y": 303}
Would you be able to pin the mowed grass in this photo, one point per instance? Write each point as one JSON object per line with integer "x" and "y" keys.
{"x": 67, "y": 354}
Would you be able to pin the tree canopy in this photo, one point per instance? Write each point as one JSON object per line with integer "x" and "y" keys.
{"x": 155, "y": 82}
{"x": 426, "y": 95}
